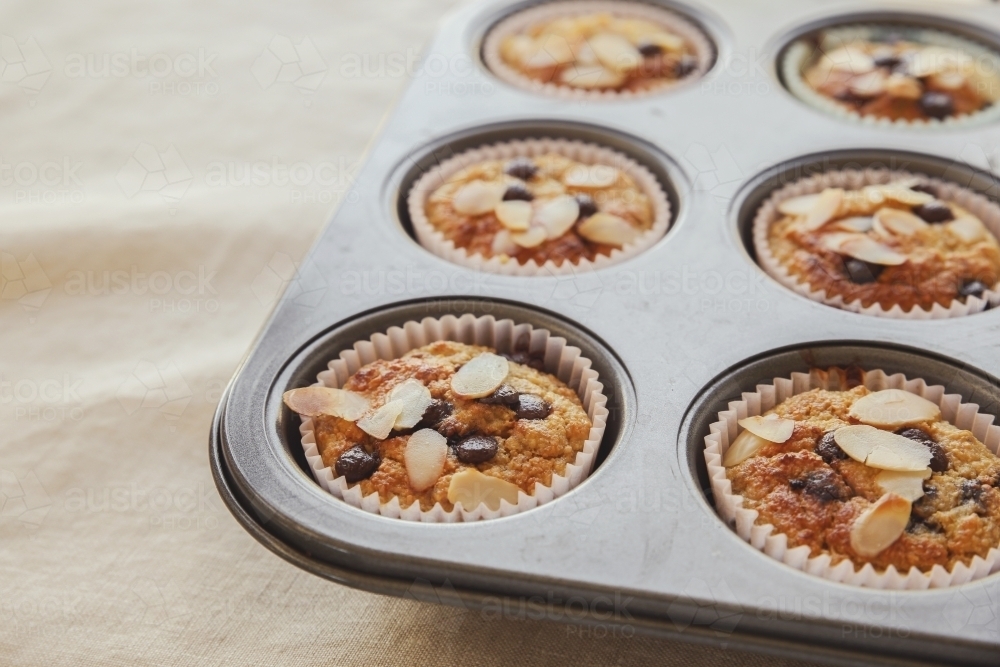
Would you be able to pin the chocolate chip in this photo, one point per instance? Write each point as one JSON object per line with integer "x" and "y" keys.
{"x": 536, "y": 361}
{"x": 532, "y": 407}
{"x": 587, "y": 205}
{"x": 888, "y": 61}
{"x": 934, "y": 212}
{"x": 860, "y": 272}
{"x": 925, "y": 188}
{"x": 517, "y": 191}
{"x": 357, "y": 464}
{"x": 824, "y": 485}
{"x": 648, "y": 49}
{"x": 685, "y": 65}
{"x": 972, "y": 491}
{"x": 522, "y": 168}
{"x": 939, "y": 457}
{"x": 828, "y": 448}
{"x": 435, "y": 413}
{"x": 504, "y": 395}
{"x": 476, "y": 448}
{"x": 937, "y": 105}
{"x": 972, "y": 288}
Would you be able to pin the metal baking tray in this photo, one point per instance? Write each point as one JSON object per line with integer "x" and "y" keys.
{"x": 676, "y": 332}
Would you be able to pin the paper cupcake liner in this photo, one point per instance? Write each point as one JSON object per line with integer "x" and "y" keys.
{"x": 433, "y": 240}
{"x": 801, "y": 53}
{"x": 693, "y": 35}
{"x": 763, "y": 537}
{"x": 852, "y": 179}
{"x": 561, "y": 359}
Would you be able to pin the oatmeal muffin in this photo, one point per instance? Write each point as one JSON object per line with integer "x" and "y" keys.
{"x": 890, "y": 244}
{"x": 597, "y": 47}
{"x": 897, "y": 75}
{"x": 540, "y": 208}
{"x": 447, "y": 423}
{"x": 874, "y": 477}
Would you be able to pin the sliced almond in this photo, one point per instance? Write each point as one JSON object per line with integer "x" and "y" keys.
{"x": 851, "y": 59}
{"x": 480, "y": 376}
{"x": 893, "y": 408}
{"x": 967, "y": 228}
{"x": 503, "y": 243}
{"x": 552, "y": 50}
{"x": 471, "y": 487}
{"x": 898, "y": 222}
{"x": 857, "y": 224}
{"x": 745, "y": 445}
{"x": 312, "y": 401}
{"x": 880, "y": 525}
{"x": 824, "y": 208}
{"x": 415, "y": 397}
{"x": 833, "y": 240}
{"x": 868, "y": 249}
{"x": 595, "y": 176}
{"x": 881, "y": 449}
{"x": 591, "y": 77}
{"x": 902, "y": 194}
{"x": 607, "y": 229}
{"x": 615, "y": 52}
{"x": 477, "y": 197}
{"x": 424, "y": 457}
{"x": 518, "y": 48}
{"x": 905, "y": 484}
{"x": 772, "y": 428}
{"x": 557, "y": 215}
{"x": 903, "y": 87}
{"x": 514, "y": 214}
{"x": 378, "y": 423}
{"x": 870, "y": 84}
{"x": 799, "y": 205}
{"x": 532, "y": 238}
{"x": 949, "y": 80}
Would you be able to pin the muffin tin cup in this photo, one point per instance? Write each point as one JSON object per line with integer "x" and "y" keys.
{"x": 704, "y": 50}
{"x": 987, "y": 211}
{"x": 763, "y": 536}
{"x": 561, "y": 359}
{"x": 586, "y": 153}
{"x": 801, "y": 53}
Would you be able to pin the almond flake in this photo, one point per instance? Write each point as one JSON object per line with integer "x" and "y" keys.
{"x": 556, "y": 216}
{"x": 903, "y": 87}
{"x": 858, "y": 224}
{"x": 901, "y": 193}
{"x": 424, "y": 457}
{"x": 477, "y": 197}
{"x": 893, "y": 408}
{"x": 471, "y": 487}
{"x": 772, "y": 428}
{"x": 607, "y": 229}
{"x": 851, "y": 59}
{"x": 882, "y": 449}
{"x": 480, "y": 376}
{"x": 552, "y": 50}
{"x": 905, "y": 484}
{"x": 615, "y": 52}
{"x": 898, "y": 222}
{"x": 378, "y": 424}
{"x": 534, "y": 237}
{"x": 503, "y": 244}
{"x": 870, "y": 84}
{"x": 950, "y": 80}
{"x": 591, "y": 77}
{"x": 868, "y": 249}
{"x": 313, "y": 401}
{"x": 514, "y": 214}
{"x": 824, "y": 208}
{"x": 415, "y": 397}
{"x": 595, "y": 176}
{"x": 967, "y": 228}
{"x": 833, "y": 240}
{"x": 743, "y": 447}
{"x": 880, "y": 525}
{"x": 798, "y": 205}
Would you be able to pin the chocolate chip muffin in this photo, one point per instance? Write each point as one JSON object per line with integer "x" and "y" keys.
{"x": 873, "y": 477}
{"x": 895, "y": 74}
{"x": 540, "y": 208}
{"x": 447, "y": 423}
{"x": 601, "y": 50}
{"x": 904, "y": 243}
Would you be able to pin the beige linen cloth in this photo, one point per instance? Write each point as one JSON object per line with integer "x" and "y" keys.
{"x": 138, "y": 263}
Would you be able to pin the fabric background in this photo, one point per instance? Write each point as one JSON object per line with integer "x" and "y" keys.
{"x": 137, "y": 266}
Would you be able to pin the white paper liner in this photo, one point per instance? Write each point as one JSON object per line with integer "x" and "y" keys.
{"x": 987, "y": 211}
{"x": 704, "y": 51}
{"x": 433, "y": 240}
{"x": 561, "y": 359}
{"x": 800, "y": 54}
{"x": 730, "y": 506}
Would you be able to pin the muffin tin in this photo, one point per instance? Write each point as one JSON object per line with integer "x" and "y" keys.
{"x": 675, "y": 333}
